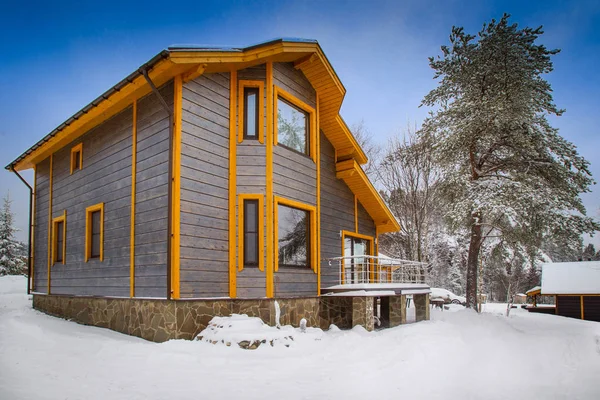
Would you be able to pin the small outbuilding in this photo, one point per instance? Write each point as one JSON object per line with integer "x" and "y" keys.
{"x": 576, "y": 287}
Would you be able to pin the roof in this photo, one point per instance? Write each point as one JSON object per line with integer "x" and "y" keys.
{"x": 534, "y": 291}
{"x": 571, "y": 278}
{"x": 190, "y": 61}
{"x": 356, "y": 179}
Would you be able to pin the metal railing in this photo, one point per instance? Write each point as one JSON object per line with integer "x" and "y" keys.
{"x": 372, "y": 269}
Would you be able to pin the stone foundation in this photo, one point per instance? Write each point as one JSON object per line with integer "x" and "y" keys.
{"x": 160, "y": 320}
{"x": 397, "y": 310}
{"x": 421, "y": 307}
{"x": 362, "y": 312}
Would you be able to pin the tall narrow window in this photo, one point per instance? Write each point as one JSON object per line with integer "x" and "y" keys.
{"x": 60, "y": 228}
{"x": 76, "y": 157}
{"x": 251, "y": 232}
{"x": 94, "y": 235}
{"x": 95, "y": 232}
{"x": 251, "y": 113}
{"x": 58, "y": 239}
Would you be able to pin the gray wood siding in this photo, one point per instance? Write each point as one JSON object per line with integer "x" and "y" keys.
{"x": 293, "y": 81}
{"x": 251, "y": 154}
{"x": 366, "y": 225}
{"x": 40, "y": 231}
{"x": 295, "y": 178}
{"x": 152, "y": 194}
{"x": 104, "y": 178}
{"x": 204, "y": 268}
{"x": 337, "y": 213}
{"x": 251, "y": 179}
{"x": 251, "y": 283}
{"x": 295, "y": 282}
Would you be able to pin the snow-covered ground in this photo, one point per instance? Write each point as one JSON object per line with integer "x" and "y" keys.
{"x": 457, "y": 355}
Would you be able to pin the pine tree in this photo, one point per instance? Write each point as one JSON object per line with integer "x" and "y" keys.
{"x": 589, "y": 253}
{"x": 508, "y": 173}
{"x": 10, "y": 262}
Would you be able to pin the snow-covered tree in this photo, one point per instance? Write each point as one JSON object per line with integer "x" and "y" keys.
{"x": 10, "y": 261}
{"x": 508, "y": 173}
{"x": 589, "y": 252}
{"x": 408, "y": 177}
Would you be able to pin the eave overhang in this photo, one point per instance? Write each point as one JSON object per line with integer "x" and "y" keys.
{"x": 192, "y": 61}
{"x": 356, "y": 179}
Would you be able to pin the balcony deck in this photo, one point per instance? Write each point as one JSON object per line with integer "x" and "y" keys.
{"x": 379, "y": 276}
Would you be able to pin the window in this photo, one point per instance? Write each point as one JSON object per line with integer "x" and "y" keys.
{"x": 94, "y": 234}
{"x": 294, "y": 124}
{"x": 250, "y": 113}
{"x": 76, "y": 157}
{"x": 59, "y": 235}
{"x": 251, "y": 110}
{"x": 293, "y": 236}
{"x": 250, "y": 233}
{"x": 292, "y": 127}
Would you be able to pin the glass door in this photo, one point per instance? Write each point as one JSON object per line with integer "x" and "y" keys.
{"x": 356, "y": 268}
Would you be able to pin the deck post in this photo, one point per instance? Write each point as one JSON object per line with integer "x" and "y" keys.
{"x": 421, "y": 302}
{"x": 362, "y": 312}
{"x": 397, "y": 310}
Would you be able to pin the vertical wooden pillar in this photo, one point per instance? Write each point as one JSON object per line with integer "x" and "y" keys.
{"x": 232, "y": 182}
{"x": 50, "y": 224}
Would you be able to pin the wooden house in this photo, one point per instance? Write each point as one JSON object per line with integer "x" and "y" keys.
{"x": 208, "y": 173}
{"x": 575, "y": 287}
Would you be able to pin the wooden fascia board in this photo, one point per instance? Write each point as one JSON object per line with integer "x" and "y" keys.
{"x": 342, "y": 139}
{"x": 258, "y": 53}
{"x": 354, "y": 176}
{"x": 359, "y": 154}
{"x": 117, "y": 102}
{"x": 331, "y": 71}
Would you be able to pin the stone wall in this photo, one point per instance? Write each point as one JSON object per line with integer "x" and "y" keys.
{"x": 159, "y": 320}
{"x": 421, "y": 307}
{"x": 397, "y": 310}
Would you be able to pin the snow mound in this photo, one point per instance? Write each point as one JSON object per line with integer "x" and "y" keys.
{"x": 251, "y": 332}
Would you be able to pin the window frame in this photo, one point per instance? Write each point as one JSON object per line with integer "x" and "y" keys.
{"x": 312, "y": 239}
{"x": 74, "y": 150}
{"x": 311, "y": 136}
{"x": 248, "y": 90}
{"x": 260, "y": 116}
{"x": 55, "y": 221}
{"x": 241, "y": 232}
{"x": 88, "y": 231}
{"x": 355, "y": 235}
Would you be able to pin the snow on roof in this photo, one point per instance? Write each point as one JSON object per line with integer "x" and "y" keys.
{"x": 571, "y": 278}
{"x": 533, "y": 289}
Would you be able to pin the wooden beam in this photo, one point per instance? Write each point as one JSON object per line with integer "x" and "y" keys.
{"x": 193, "y": 73}
{"x": 303, "y": 62}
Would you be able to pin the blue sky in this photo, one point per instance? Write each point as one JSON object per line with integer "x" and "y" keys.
{"x": 56, "y": 58}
